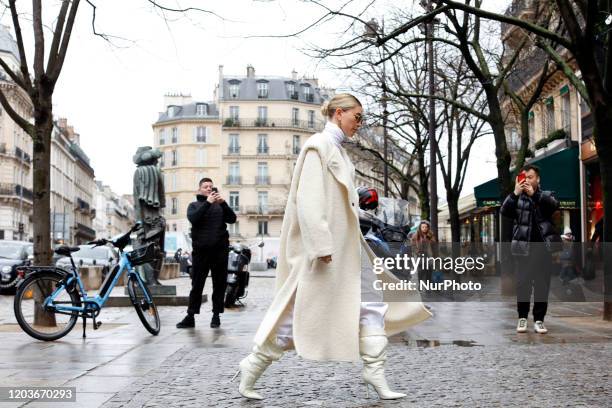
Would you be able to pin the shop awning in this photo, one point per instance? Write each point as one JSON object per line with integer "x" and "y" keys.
{"x": 558, "y": 173}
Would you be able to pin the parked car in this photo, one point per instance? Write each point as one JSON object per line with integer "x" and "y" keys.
{"x": 87, "y": 256}
{"x": 12, "y": 255}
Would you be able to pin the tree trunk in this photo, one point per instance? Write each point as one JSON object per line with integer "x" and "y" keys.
{"x": 602, "y": 116}
{"x": 453, "y": 212}
{"x": 43, "y": 119}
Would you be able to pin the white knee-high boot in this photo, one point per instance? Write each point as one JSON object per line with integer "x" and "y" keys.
{"x": 253, "y": 366}
{"x": 372, "y": 346}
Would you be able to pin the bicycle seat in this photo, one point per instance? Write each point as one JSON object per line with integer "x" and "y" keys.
{"x": 66, "y": 250}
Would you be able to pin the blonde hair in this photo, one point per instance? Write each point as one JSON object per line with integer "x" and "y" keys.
{"x": 344, "y": 101}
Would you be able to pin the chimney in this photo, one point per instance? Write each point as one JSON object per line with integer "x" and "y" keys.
{"x": 250, "y": 71}
{"x": 294, "y": 75}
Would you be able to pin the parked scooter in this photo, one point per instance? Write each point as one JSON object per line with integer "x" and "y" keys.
{"x": 384, "y": 225}
{"x": 238, "y": 273}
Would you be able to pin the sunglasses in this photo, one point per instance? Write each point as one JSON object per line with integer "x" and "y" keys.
{"x": 358, "y": 117}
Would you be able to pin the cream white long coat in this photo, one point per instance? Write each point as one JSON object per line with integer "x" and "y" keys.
{"x": 321, "y": 218}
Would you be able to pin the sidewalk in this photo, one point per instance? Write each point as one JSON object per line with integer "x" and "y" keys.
{"x": 468, "y": 355}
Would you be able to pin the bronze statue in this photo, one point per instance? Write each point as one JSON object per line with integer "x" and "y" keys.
{"x": 149, "y": 199}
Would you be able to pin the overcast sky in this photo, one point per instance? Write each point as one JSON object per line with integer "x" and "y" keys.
{"x": 112, "y": 94}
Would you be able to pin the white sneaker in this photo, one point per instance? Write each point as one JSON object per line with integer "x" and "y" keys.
{"x": 521, "y": 327}
{"x": 539, "y": 327}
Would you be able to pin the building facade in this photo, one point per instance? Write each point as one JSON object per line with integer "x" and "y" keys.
{"x": 246, "y": 140}
{"x": 16, "y": 196}
{"x": 114, "y": 213}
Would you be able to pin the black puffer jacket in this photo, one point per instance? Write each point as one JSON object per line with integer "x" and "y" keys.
{"x": 208, "y": 229}
{"x": 522, "y": 209}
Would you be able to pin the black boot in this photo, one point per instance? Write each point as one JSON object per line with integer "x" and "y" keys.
{"x": 187, "y": 322}
{"x": 215, "y": 322}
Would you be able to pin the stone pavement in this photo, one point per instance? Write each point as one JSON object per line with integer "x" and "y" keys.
{"x": 468, "y": 355}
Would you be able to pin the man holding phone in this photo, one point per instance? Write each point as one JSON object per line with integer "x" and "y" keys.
{"x": 533, "y": 239}
{"x": 208, "y": 216}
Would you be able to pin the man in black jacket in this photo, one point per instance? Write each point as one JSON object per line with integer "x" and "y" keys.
{"x": 208, "y": 216}
{"x": 533, "y": 239}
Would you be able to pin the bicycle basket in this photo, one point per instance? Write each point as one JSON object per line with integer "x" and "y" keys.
{"x": 142, "y": 255}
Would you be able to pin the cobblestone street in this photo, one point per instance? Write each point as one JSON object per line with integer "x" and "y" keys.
{"x": 468, "y": 355}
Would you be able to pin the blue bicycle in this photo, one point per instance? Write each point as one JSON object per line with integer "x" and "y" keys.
{"x": 50, "y": 300}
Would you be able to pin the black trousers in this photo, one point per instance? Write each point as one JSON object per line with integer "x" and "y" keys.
{"x": 205, "y": 260}
{"x": 533, "y": 276}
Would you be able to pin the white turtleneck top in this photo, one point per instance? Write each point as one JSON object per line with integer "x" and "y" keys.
{"x": 335, "y": 132}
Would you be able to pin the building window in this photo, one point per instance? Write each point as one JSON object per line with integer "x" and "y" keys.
{"x": 174, "y": 181}
{"x": 262, "y": 202}
{"x": 234, "y": 200}
{"x": 162, "y": 159}
{"x": 296, "y": 144}
{"x": 201, "y": 109}
{"x": 201, "y": 157}
{"x": 262, "y": 174}
{"x": 514, "y": 141}
{"x": 172, "y": 111}
{"x": 174, "y": 227}
{"x": 162, "y": 136}
{"x": 262, "y": 144}
{"x": 262, "y": 89}
{"x": 200, "y": 134}
{"x": 295, "y": 116}
{"x": 262, "y": 228}
{"x": 549, "y": 117}
{"x": 234, "y": 173}
{"x": 234, "y": 112}
{"x": 262, "y": 116}
{"x": 311, "y": 116}
{"x": 174, "y": 155}
{"x": 291, "y": 90}
{"x": 234, "y": 91}
{"x": 233, "y": 229}
{"x": 565, "y": 106}
{"x": 307, "y": 93}
{"x": 174, "y": 210}
{"x": 234, "y": 143}
{"x": 174, "y": 135}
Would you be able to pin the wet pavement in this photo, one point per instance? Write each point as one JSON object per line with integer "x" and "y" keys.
{"x": 468, "y": 355}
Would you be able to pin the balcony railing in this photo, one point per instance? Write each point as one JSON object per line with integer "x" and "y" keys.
{"x": 294, "y": 95}
{"x": 273, "y": 123}
{"x": 262, "y": 94}
{"x": 233, "y": 150}
{"x": 263, "y": 150}
{"x": 309, "y": 97}
{"x": 262, "y": 180}
{"x": 234, "y": 180}
{"x": 263, "y": 209}
{"x": 16, "y": 190}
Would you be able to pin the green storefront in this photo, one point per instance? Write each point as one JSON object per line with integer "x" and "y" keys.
{"x": 559, "y": 172}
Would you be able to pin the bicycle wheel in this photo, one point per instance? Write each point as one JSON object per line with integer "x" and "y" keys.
{"x": 46, "y": 325}
{"x": 147, "y": 311}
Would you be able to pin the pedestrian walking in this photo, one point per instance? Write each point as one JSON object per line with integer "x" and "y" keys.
{"x": 208, "y": 216}
{"x": 317, "y": 308}
{"x": 423, "y": 242}
{"x": 533, "y": 239}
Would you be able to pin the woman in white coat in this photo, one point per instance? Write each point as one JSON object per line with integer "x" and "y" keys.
{"x": 318, "y": 307}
